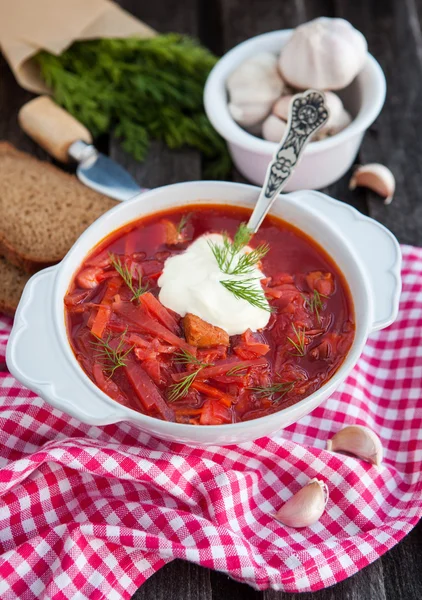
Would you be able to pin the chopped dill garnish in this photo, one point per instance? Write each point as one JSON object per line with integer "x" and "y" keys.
{"x": 180, "y": 389}
{"x": 300, "y": 341}
{"x": 275, "y": 389}
{"x": 247, "y": 262}
{"x": 231, "y": 261}
{"x": 126, "y": 275}
{"x": 314, "y": 303}
{"x": 183, "y": 222}
{"x": 111, "y": 358}
{"x": 186, "y": 358}
{"x": 244, "y": 290}
{"x": 236, "y": 371}
{"x": 226, "y": 252}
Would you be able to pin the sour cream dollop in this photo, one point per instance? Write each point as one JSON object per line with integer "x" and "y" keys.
{"x": 190, "y": 283}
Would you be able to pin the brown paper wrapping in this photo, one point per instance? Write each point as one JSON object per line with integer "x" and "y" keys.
{"x": 28, "y": 26}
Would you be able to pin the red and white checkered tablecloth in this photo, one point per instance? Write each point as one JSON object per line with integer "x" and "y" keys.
{"x": 90, "y": 512}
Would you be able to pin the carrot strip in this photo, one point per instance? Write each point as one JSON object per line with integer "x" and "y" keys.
{"x": 100, "y": 321}
{"x": 213, "y": 392}
{"x": 182, "y": 412}
{"x": 159, "y": 311}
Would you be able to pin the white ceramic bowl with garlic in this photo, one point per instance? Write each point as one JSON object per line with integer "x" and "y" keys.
{"x": 356, "y": 95}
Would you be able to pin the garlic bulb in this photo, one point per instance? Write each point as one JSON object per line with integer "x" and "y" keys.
{"x": 273, "y": 128}
{"x": 359, "y": 441}
{"x": 325, "y": 54}
{"x": 375, "y": 177}
{"x": 253, "y": 87}
{"x": 306, "y": 507}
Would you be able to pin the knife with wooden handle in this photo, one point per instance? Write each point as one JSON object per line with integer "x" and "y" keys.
{"x": 67, "y": 140}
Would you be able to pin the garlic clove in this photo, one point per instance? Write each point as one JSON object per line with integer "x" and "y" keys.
{"x": 333, "y": 102}
{"x": 377, "y": 178}
{"x": 281, "y": 107}
{"x": 273, "y": 129}
{"x": 306, "y": 507}
{"x": 359, "y": 441}
{"x": 248, "y": 115}
{"x": 334, "y": 125}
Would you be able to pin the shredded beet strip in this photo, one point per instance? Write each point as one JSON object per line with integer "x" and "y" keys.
{"x": 138, "y": 316}
{"x": 221, "y": 368}
{"x": 147, "y": 391}
{"x": 159, "y": 311}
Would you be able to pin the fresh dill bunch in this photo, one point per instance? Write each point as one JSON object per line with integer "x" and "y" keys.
{"x": 141, "y": 89}
{"x": 110, "y": 358}
{"x": 126, "y": 275}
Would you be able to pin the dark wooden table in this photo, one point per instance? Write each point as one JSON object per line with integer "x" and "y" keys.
{"x": 393, "y": 31}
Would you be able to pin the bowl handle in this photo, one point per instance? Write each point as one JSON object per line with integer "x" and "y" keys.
{"x": 35, "y": 357}
{"x": 375, "y": 245}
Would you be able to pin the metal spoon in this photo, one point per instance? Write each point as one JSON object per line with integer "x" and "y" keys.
{"x": 307, "y": 113}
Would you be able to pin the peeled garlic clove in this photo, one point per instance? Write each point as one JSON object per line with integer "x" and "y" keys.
{"x": 253, "y": 87}
{"x": 273, "y": 129}
{"x": 359, "y": 441}
{"x": 334, "y": 125}
{"x": 377, "y": 178}
{"x": 324, "y": 54}
{"x": 281, "y": 107}
{"x": 333, "y": 102}
{"x": 306, "y": 506}
{"x": 248, "y": 115}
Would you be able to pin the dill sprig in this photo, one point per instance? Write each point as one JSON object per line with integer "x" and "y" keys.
{"x": 275, "y": 389}
{"x": 110, "y": 358}
{"x": 125, "y": 273}
{"x": 247, "y": 262}
{"x": 226, "y": 251}
{"x": 300, "y": 341}
{"x": 180, "y": 389}
{"x": 244, "y": 290}
{"x": 104, "y": 82}
{"x": 231, "y": 261}
{"x": 186, "y": 358}
{"x": 235, "y": 371}
{"x": 315, "y": 304}
{"x": 183, "y": 222}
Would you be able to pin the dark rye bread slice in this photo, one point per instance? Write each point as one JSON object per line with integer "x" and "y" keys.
{"x": 43, "y": 210}
{"x": 12, "y": 282}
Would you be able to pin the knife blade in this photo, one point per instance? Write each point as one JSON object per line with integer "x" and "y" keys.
{"x": 101, "y": 173}
{"x": 66, "y": 139}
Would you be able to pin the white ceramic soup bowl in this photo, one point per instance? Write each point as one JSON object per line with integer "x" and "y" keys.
{"x": 39, "y": 354}
{"x": 323, "y": 162}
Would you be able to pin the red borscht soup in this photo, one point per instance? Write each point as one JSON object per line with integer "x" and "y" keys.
{"x": 184, "y": 369}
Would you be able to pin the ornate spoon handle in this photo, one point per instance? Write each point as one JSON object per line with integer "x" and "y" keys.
{"x": 307, "y": 113}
